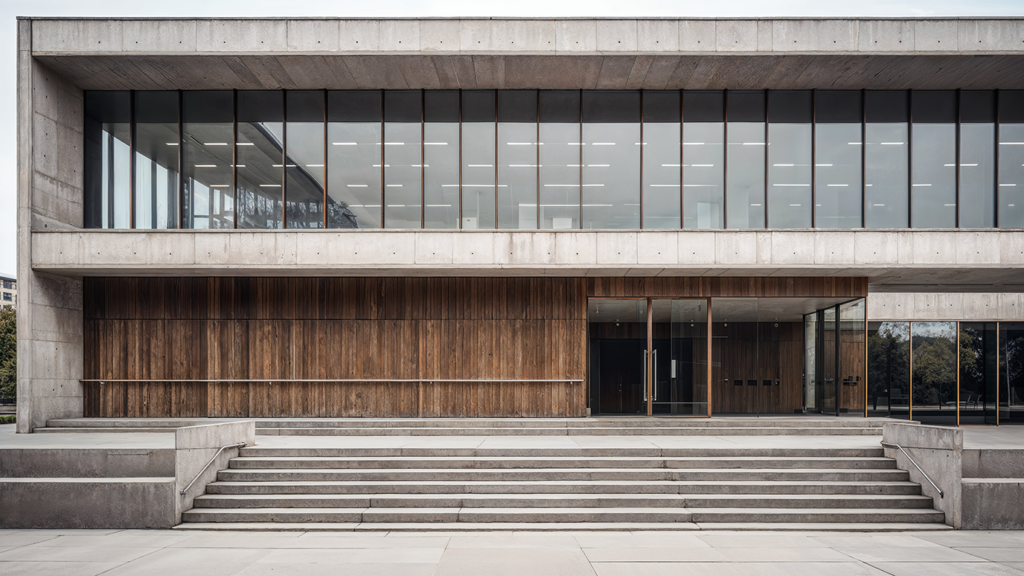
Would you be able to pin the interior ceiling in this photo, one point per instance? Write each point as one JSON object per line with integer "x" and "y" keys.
{"x": 722, "y": 309}
{"x": 361, "y": 71}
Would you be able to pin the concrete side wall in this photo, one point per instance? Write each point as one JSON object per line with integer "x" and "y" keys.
{"x": 89, "y": 503}
{"x": 967, "y": 306}
{"x": 50, "y": 165}
{"x": 938, "y": 451}
{"x": 994, "y": 463}
{"x": 530, "y": 36}
{"x": 195, "y": 446}
{"x": 993, "y": 504}
{"x": 86, "y": 463}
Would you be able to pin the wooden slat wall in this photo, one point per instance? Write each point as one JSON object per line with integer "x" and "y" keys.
{"x": 335, "y": 328}
{"x": 739, "y": 352}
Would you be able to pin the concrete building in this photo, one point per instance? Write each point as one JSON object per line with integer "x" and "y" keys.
{"x": 520, "y": 217}
{"x": 8, "y": 292}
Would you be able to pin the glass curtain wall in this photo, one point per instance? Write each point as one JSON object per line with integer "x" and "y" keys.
{"x": 679, "y": 366}
{"x": 852, "y": 353}
{"x": 479, "y": 142}
{"x": 662, "y": 155}
{"x": 746, "y": 134}
{"x": 259, "y": 150}
{"x": 517, "y": 159}
{"x": 886, "y": 159}
{"x": 157, "y": 144}
{"x": 107, "y": 137}
{"x": 934, "y": 372}
{"x": 611, "y": 160}
{"x": 441, "y": 159}
{"x": 403, "y": 158}
{"x": 978, "y": 368}
{"x": 790, "y": 196}
{"x": 617, "y": 342}
{"x": 1011, "y": 158}
{"x": 207, "y": 159}
{"x": 704, "y": 160}
{"x": 977, "y": 159}
{"x": 838, "y": 116}
{"x": 561, "y": 156}
{"x": 305, "y": 168}
{"x": 354, "y": 151}
{"x": 889, "y": 369}
{"x": 933, "y": 188}
{"x": 1011, "y": 373}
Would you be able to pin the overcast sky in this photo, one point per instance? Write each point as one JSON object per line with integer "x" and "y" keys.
{"x": 9, "y": 9}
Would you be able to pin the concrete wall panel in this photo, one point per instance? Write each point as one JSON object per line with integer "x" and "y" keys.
{"x": 77, "y": 36}
{"x": 359, "y": 35}
{"x": 697, "y": 35}
{"x": 935, "y": 36}
{"x": 313, "y": 35}
{"x": 157, "y": 36}
{"x": 242, "y": 36}
{"x": 885, "y": 36}
{"x": 736, "y": 36}
{"x": 657, "y": 35}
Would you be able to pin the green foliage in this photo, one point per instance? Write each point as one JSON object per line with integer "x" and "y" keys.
{"x": 8, "y": 353}
{"x": 8, "y": 419}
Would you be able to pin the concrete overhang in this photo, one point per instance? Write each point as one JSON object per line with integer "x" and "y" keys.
{"x": 780, "y": 53}
{"x": 929, "y": 261}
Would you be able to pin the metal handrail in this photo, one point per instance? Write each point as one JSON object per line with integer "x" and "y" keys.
{"x": 258, "y": 380}
{"x": 912, "y": 461}
{"x": 208, "y": 464}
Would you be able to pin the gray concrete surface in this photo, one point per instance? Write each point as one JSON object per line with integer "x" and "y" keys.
{"x": 194, "y": 447}
{"x": 170, "y": 552}
{"x": 939, "y": 452}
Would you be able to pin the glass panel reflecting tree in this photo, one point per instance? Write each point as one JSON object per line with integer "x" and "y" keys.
{"x": 207, "y": 140}
{"x": 107, "y": 159}
{"x": 441, "y": 159}
{"x": 745, "y": 174}
{"x": 354, "y": 158}
{"x": 978, "y": 369}
{"x": 611, "y": 160}
{"x": 479, "y": 133}
{"x": 156, "y": 159}
{"x": 889, "y": 369}
{"x": 933, "y": 159}
{"x": 887, "y": 159}
{"x": 934, "y": 372}
{"x": 1011, "y": 373}
{"x": 403, "y": 159}
{"x": 837, "y": 158}
{"x": 789, "y": 159}
{"x": 517, "y": 159}
{"x": 661, "y": 159}
{"x": 304, "y": 168}
{"x": 560, "y": 159}
{"x": 259, "y": 151}
{"x": 703, "y": 160}
{"x": 977, "y": 159}
{"x": 1011, "y": 158}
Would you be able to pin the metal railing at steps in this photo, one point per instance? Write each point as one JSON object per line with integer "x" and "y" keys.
{"x": 919, "y": 469}
{"x": 210, "y": 463}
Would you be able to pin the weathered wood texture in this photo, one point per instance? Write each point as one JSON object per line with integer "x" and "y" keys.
{"x": 275, "y": 329}
{"x": 721, "y": 287}
{"x": 744, "y": 351}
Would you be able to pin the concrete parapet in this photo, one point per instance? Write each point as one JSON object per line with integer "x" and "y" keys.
{"x": 86, "y": 502}
{"x": 993, "y": 504}
{"x": 939, "y": 452}
{"x": 194, "y": 447}
{"x": 86, "y": 463}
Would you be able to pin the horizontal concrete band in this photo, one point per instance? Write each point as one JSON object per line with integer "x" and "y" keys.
{"x": 506, "y": 35}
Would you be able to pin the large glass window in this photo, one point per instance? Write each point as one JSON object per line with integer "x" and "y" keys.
{"x": 978, "y": 369}
{"x": 441, "y": 159}
{"x": 977, "y": 159}
{"x": 107, "y": 159}
{"x": 889, "y": 369}
{"x": 837, "y": 158}
{"x": 789, "y": 159}
{"x": 611, "y": 160}
{"x": 259, "y": 151}
{"x": 207, "y": 140}
{"x": 934, "y": 371}
{"x": 156, "y": 160}
{"x": 305, "y": 168}
{"x": 403, "y": 170}
{"x": 887, "y": 159}
{"x": 1011, "y": 158}
{"x": 661, "y": 159}
{"x": 745, "y": 174}
{"x": 703, "y": 160}
{"x": 517, "y": 159}
{"x": 479, "y": 140}
{"x": 933, "y": 159}
{"x": 354, "y": 159}
{"x": 1011, "y": 373}
{"x": 560, "y": 159}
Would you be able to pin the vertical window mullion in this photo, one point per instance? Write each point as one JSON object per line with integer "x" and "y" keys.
{"x": 956, "y": 196}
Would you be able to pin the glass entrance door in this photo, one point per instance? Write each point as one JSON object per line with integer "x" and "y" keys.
{"x": 828, "y": 357}
{"x": 679, "y": 366}
{"x": 617, "y": 332}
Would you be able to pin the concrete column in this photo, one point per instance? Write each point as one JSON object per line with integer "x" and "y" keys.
{"x": 50, "y": 163}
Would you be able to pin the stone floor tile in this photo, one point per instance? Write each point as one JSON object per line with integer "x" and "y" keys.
{"x": 946, "y": 569}
{"x": 127, "y": 538}
{"x": 997, "y": 554}
{"x": 783, "y": 554}
{"x": 345, "y": 556}
{"x": 669, "y": 569}
{"x": 513, "y": 562}
{"x": 639, "y": 540}
{"x": 906, "y": 554}
{"x": 19, "y": 538}
{"x": 51, "y": 568}
{"x": 190, "y": 562}
{"x": 752, "y": 540}
{"x": 346, "y": 540}
{"x": 670, "y": 554}
{"x": 256, "y": 540}
{"x": 336, "y": 570}
{"x": 811, "y": 569}
{"x": 888, "y": 540}
{"x": 971, "y": 538}
{"x": 1014, "y": 565}
{"x": 514, "y": 540}
{"x": 36, "y": 553}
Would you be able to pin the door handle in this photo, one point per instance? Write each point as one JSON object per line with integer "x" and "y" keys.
{"x": 645, "y": 376}
{"x": 654, "y": 383}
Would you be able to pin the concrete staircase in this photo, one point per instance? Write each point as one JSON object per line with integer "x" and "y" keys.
{"x": 556, "y": 489}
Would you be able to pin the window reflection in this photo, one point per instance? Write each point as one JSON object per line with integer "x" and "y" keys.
{"x": 207, "y": 141}
{"x": 837, "y": 158}
{"x": 978, "y": 367}
{"x": 403, "y": 171}
{"x": 889, "y": 369}
{"x": 305, "y": 165}
{"x": 441, "y": 159}
{"x": 703, "y": 190}
{"x": 354, "y": 159}
{"x": 934, "y": 372}
{"x": 478, "y": 157}
{"x": 259, "y": 151}
{"x": 560, "y": 159}
{"x": 517, "y": 159}
{"x": 107, "y": 159}
{"x": 156, "y": 160}
{"x": 1011, "y": 159}
{"x": 977, "y": 168}
{"x": 887, "y": 159}
{"x": 1011, "y": 373}
{"x": 789, "y": 159}
{"x": 662, "y": 159}
{"x": 933, "y": 159}
{"x": 611, "y": 160}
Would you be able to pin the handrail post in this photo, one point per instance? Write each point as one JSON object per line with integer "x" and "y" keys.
{"x": 919, "y": 469}
{"x": 210, "y": 463}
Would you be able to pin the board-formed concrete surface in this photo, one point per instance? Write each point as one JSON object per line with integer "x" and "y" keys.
{"x": 169, "y": 552}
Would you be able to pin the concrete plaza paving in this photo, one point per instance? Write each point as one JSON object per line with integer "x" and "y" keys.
{"x": 177, "y": 553}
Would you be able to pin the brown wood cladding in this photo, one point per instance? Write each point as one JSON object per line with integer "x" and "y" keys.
{"x": 745, "y": 351}
{"x": 721, "y": 287}
{"x": 335, "y": 328}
